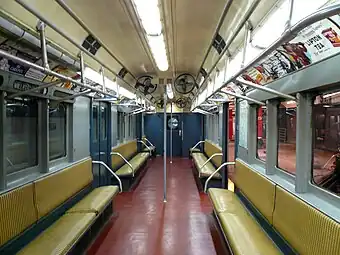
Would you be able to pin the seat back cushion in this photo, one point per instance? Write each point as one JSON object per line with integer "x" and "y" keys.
{"x": 17, "y": 212}
{"x": 127, "y": 149}
{"x": 211, "y": 149}
{"x": 306, "y": 229}
{"x": 54, "y": 189}
{"x": 257, "y": 188}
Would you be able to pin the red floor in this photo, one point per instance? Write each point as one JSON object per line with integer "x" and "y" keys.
{"x": 145, "y": 225}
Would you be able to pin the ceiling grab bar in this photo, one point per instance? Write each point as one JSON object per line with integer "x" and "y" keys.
{"x": 208, "y": 160}
{"x": 147, "y": 147}
{"x": 110, "y": 170}
{"x": 218, "y": 169}
{"x": 126, "y": 161}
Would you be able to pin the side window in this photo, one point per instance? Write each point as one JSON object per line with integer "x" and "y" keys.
{"x": 286, "y": 121}
{"x": 95, "y": 123}
{"x": 103, "y": 120}
{"x": 57, "y": 131}
{"x": 21, "y": 134}
{"x": 261, "y": 133}
{"x": 326, "y": 142}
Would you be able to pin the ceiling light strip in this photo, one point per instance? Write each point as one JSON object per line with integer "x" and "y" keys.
{"x": 150, "y": 17}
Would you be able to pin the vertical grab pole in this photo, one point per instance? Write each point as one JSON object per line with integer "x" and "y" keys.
{"x": 41, "y": 28}
{"x": 165, "y": 98}
{"x": 225, "y": 143}
{"x": 171, "y": 130}
{"x": 291, "y": 9}
{"x": 82, "y": 67}
{"x": 103, "y": 77}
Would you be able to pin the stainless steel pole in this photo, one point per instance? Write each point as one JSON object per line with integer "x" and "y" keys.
{"x": 171, "y": 130}
{"x": 82, "y": 67}
{"x": 41, "y": 28}
{"x": 103, "y": 77}
{"x": 165, "y": 99}
{"x": 291, "y": 9}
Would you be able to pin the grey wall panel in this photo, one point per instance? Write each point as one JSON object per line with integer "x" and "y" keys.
{"x": 312, "y": 77}
{"x": 81, "y": 128}
{"x": 114, "y": 125}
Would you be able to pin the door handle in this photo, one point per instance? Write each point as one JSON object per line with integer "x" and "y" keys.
{"x": 180, "y": 132}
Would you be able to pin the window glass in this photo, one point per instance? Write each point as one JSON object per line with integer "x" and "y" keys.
{"x": 326, "y": 142}
{"x": 21, "y": 134}
{"x": 261, "y": 133}
{"x": 287, "y": 136}
{"x": 95, "y": 123}
{"x": 103, "y": 122}
{"x": 57, "y": 131}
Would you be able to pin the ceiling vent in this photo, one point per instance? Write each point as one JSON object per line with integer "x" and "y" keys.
{"x": 91, "y": 44}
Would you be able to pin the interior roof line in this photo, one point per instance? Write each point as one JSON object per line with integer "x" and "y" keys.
{"x": 131, "y": 13}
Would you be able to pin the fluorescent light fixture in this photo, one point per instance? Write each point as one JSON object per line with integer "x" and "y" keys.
{"x": 149, "y": 14}
{"x": 169, "y": 91}
{"x": 332, "y": 94}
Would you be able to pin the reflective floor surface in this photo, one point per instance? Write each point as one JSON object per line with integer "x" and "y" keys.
{"x": 145, "y": 225}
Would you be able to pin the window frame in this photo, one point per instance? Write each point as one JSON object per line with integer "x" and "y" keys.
{"x": 56, "y": 163}
{"x": 325, "y": 200}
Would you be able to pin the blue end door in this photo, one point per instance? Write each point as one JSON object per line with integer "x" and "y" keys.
{"x": 186, "y": 128}
{"x": 100, "y": 141}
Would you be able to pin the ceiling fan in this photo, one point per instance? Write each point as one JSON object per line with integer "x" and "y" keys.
{"x": 185, "y": 83}
{"x": 144, "y": 84}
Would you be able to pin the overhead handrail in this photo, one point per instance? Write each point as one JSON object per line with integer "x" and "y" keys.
{"x": 288, "y": 35}
{"x": 49, "y": 72}
{"x": 110, "y": 170}
{"x": 45, "y": 86}
{"x": 125, "y": 160}
{"x": 67, "y": 37}
{"x": 146, "y": 139}
{"x": 266, "y": 89}
{"x": 217, "y": 29}
{"x": 198, "y": 143}
{"x": 147, "y": 147}
{"x": 212, "y": 175}
{"x": 87, "y": 29}
{"x": 242, "y": 97}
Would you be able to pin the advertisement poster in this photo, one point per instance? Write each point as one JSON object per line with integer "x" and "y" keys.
{"x": 21, "y": 52}
{"x": 312, "y": 44}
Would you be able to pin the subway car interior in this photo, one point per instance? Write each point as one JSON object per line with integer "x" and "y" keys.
{"x": 154, "y": 127}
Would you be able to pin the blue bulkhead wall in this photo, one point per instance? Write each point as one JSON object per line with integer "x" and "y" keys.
{"x": 188, "y": 133}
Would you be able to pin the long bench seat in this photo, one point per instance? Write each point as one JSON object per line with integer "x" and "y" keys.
{"x": 137, "y": 160}
{"x": 136, "y": 163}
{"x": 296, "y": 227}
{"x": 244, "y": 235}
{"x": 203, "y": 170}
{"x": 54, "y": 214}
